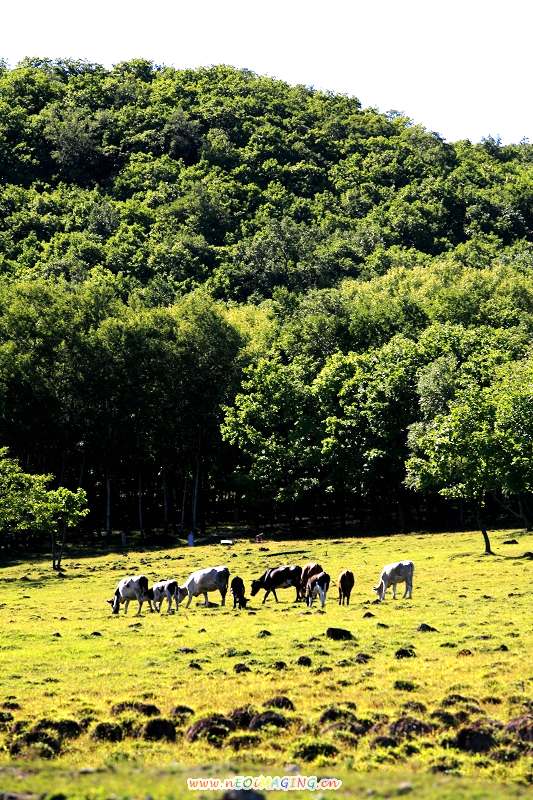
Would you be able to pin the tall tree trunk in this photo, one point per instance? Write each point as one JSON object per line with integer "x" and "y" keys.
{"x": 53, "y": 542}
{"x": 108, "y": 503}
{"x": 524, "y": 513}
{"x": 183, "y": 502}
{"x": 59, "y": 556}
{"x": 194, "y": 506}
{"x": 140, "y": 503}
{"x": 483, "y": 527}
{"x": 165, "y": 502}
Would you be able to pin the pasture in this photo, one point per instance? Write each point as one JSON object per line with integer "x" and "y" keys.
{"x": 431, "y": 722}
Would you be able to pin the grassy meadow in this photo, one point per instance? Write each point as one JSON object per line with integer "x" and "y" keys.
{"x": 383, "y": 724}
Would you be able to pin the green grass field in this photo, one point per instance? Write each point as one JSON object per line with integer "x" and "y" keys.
{"x": 383, "y": 725}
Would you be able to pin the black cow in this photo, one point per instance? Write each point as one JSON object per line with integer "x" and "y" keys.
{"x": 278, "y": 578}
{"x": 237, "y": 590}
{"x": 346, "y": 584}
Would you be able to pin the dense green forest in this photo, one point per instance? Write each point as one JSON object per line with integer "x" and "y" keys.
{"x": 224, "y": 298}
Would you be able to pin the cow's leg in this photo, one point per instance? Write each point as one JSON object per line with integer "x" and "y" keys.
{"x": 394, "y": 591}
{"x": 138, "y": 614}
{"x": 348, "y": 598}
{"x": 169, "y": 600}
{"x": 223, "y": 596}
{"x": 189, "y": 600}
{"x": 126, "y": 604}
{"x": 323, "y": 598}
{"x": 275, "y": 595}
{"x": 266, "y": 595}
{"x": 206, "y": 599}
{"x": 297, "y": 594}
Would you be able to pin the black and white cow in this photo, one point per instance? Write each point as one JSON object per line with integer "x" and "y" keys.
{"x": 307, "y": 572}
{"x": 206, "y": 580}
{"x": 391, "y": 574}
{"x": 170, "y": 590}
{"x": 317, "y": 586}
{"x": 132, "y": 588}
{"x": 237, "y": 590}
{"x": 278, "y": 578}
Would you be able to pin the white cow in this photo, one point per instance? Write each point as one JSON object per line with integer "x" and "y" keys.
{"x": 207, "y": 580}
{"x": 391, "y": 574}
{"x": 132, "y": 588}
{"x": 170, "y": 590}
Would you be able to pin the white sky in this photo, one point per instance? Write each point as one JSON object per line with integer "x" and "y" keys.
{"x": 459, "y": 67}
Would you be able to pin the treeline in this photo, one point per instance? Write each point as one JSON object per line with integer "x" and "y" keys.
{"x": 226, "y": 298}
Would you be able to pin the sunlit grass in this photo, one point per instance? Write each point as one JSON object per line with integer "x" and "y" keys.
{"x": 476, "y": 603}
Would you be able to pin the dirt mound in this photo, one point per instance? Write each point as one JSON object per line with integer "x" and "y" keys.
{"x": 415, "y": 705}
{"x": 362, "y": 658}
{"x": 65, "y": 728}
{"x": 46, "y": 743}
{"x": 408, "y": 727}
{"x": 476, "y": 738}
{"x": 405, "y": 652}
{"x": 181, "y": 713}
{"x": 214, "y": 729}
{"x": 268, "y": 719}
{"x": 521, "y": 727}
{"x": 238, "y": 668}
{"x": 146, "y": 709}
{"x": 339, "y": 634}
{"x": 309, "y": 750}
{"x": 242, "y": 741}
{"x": 243, "y": 794}
{"x": 107, "y": 732}
{"x": 458, "y": 699}
{"x": 335, "y": 713}
{"x": 405, "y": 686}
{"x": 425, "y": 628}
{"x": 160, "y": 728}
{"x": 263, "y": 634}
{"x": 279, "y": 701}
{"x": 5, "y": 718}
{"x": 304, "y": 661}
{"x": 446, "y": 718}
{"x": 383, "y": 741}
{"x": 242, "y": 716}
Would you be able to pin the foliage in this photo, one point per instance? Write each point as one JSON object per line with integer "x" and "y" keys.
{"x": 182, "y": 250}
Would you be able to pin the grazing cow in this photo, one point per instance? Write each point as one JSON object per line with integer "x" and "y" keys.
{"x": 278, "y": 578}
{"x": 391, "y": 574}
{"x": 132, "y": 588}
{"x": 237, "y": 590}
{"x": 171, "y": 591}
{"x": 206, "y": 580}
{"x": 346, "y": 584}
{"x": 308, "y": 571}
{"x": 317, "y": 585}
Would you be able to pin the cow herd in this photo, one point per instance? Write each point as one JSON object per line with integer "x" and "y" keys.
{"x": 309, "y": 583}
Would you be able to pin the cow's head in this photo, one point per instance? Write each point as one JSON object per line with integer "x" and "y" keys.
{"x": 256, "y": 585}
{"x": 114, "y": 603}
{"x": 379, "y": 590}
{"x": 181, "y": 593}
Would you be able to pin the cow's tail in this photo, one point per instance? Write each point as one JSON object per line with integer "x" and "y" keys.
{"x": 225, "y": 573}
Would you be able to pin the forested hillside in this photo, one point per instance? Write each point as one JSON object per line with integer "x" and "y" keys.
{"x": 227, "y": 298}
